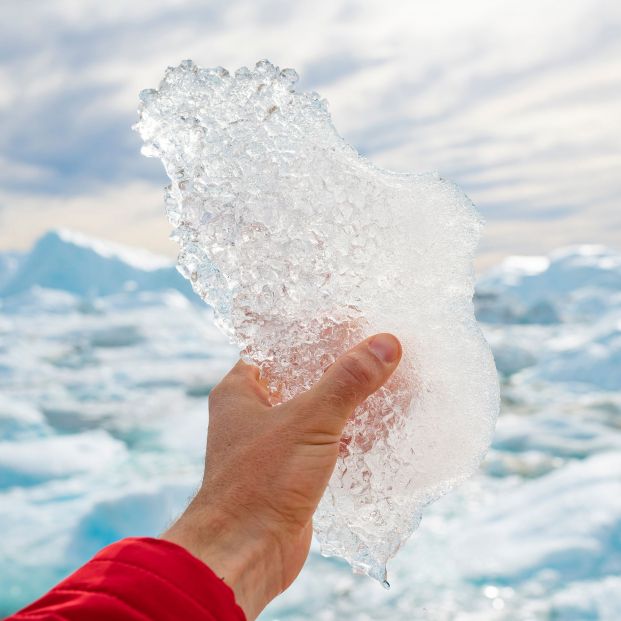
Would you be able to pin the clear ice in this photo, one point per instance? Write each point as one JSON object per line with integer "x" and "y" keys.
{"x": 303, "y": 247}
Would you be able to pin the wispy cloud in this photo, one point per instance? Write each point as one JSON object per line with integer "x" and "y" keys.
{"x": 517, "y": 101}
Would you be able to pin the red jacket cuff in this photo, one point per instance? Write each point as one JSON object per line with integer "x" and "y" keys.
{"x": 138, "y": 579}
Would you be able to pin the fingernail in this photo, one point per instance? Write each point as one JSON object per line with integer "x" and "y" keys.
{"x": 385, "y": 347}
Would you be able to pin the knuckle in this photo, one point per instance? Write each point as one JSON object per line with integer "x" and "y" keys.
{"x": 356, "y": 370}
{"x": 336, "y": 400}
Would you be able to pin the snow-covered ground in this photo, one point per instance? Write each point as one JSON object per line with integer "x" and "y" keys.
{"x": 106, "y": 361}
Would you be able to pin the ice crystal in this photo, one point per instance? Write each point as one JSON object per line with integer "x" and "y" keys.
{"x": 302, "y": 248}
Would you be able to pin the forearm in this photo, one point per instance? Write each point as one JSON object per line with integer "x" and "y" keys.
{"x": 240, "y": 553}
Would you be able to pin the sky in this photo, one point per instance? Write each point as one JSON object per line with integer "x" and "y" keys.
{"x": 519, "y": 102}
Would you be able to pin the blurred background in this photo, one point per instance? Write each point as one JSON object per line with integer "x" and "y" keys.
{"x": 107, "y": 358}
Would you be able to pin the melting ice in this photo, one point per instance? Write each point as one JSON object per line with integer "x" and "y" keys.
{"x": 302, "y": 248}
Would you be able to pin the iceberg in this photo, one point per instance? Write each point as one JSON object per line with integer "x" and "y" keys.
{"x": 303, "y": 248}
{"x": 69, "y": 261}
{"x": 573, "y": 293}
{"x": 576, "y": 283}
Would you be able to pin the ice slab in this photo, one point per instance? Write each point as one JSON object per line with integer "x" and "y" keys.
{"x": 303, "y": 248}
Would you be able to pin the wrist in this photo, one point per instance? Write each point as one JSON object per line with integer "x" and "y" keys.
{"x": 245, "y": 558}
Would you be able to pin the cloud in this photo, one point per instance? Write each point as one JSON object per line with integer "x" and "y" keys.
{"x": 130, "y": 214}
{"x": 517, "y": 101}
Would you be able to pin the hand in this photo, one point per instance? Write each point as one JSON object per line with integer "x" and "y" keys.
{"x": 267, "y": 468}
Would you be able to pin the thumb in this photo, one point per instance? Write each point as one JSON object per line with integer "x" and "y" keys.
{"x": 354, "y": 376}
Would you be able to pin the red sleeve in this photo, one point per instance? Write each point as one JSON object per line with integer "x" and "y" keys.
{"x": 138, "y": 580}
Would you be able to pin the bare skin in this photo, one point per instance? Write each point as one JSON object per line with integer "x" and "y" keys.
{"x": 267, "y": 468}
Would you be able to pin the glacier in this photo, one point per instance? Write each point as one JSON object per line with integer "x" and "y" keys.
{"x": 534, "y": 535}
{"x": 303, "y": 248}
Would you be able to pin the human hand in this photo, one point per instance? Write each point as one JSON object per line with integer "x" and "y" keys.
{"x": 267, "y": 468}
